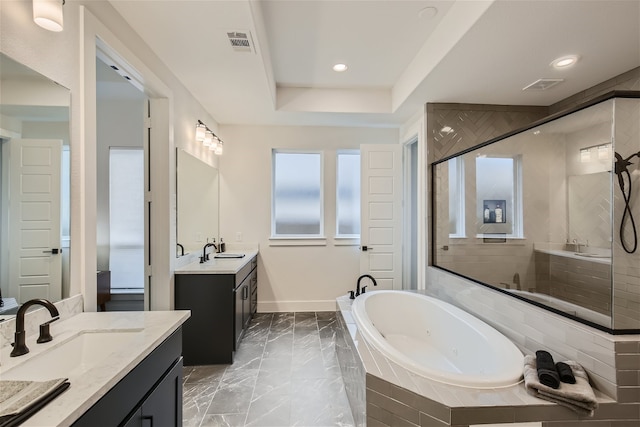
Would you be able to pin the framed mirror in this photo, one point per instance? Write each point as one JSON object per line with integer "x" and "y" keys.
{"x": 35, "y": 180}
{"x": 533, "y": 214}
{"x": 197, "y": 203}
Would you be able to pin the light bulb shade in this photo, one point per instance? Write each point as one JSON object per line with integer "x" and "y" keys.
{"x": 219, "y": 149}
{"x": 201, "y": 131}
{"x": 48, "y": 14}
{"x": 208, "y": 139}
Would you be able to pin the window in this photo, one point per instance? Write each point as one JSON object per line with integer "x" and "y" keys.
{"x": 498, "y": 189}
{"x": 456, "y": 197}
{"x": 126, "y": 218}
{"x": 297, "y": 209}
{"x": 348, "y": 194}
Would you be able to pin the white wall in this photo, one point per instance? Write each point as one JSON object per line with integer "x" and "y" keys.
{"x": 292, "y": 278}
{"x": 57, "y": 56}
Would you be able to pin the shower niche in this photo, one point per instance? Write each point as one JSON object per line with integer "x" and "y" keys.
{"x": 549, "y": 213}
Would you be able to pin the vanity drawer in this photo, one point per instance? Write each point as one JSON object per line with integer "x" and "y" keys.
{"x": 244, "y": 271}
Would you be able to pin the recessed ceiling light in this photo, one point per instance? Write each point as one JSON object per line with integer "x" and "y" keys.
{"x": 339, "y": 68}
{"x": 446, "y": 129}
{"x": 428, "y": 12}
{"x": 564, "y": 61}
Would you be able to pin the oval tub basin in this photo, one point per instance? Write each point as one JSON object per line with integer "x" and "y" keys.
{"x": 437, "y": 340}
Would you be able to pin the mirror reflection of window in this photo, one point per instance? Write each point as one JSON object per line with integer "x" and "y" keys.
{"x": 498, "y": 184}
{"x": 456, "y": 197}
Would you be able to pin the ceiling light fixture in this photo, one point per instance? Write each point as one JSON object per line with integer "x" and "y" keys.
{"x": 48, "y": 14}
{"x": 428, "y": 12}
{"x": 339, "y": 68}
{"x": 564, "y": 61}
{"x": 446, "y": 129}
{"x": 208, "y": 138}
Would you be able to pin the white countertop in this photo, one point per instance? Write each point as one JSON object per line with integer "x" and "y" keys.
{"x": 574, "y": 255}
{"x": 219, "y": 265}
{"x": 148, "y": 328}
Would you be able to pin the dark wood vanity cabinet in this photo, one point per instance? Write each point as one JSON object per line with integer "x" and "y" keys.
{"x": 151, "y": 394}
{"x": 221, "y": 307}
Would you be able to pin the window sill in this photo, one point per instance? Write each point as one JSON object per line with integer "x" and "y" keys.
{"x": 346, "y": 241}
{"x": 298, "y": 241}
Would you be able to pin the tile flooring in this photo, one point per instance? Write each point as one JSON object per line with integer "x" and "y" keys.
{"x": 285, "y": 373}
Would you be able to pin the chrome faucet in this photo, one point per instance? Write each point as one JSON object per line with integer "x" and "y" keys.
{"x": 360, "y": 290}
{"x": 181, "y": 249}
{"x": 205, "y": 255}
{"x": 19, "y": 347}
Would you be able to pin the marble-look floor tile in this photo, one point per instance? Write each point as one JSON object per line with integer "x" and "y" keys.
{"x": 270, "y": 410}
{"x": 205, "y": 374}
{"x": 325, "y": 315}
{"x": 282, "y": 322}
{"x": 196, "y": 400}
{"x": 285, "y": 373}
{"x": 248, "y": 355}
{"x": 231, "y": 399}
{"x": 223, "y": 420}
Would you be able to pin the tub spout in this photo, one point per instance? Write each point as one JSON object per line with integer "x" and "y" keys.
{"x": 360, "y": 290}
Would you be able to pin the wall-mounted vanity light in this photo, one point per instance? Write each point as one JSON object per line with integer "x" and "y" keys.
{"x": 208, "y": 138}
{"x": 48, "y": 14}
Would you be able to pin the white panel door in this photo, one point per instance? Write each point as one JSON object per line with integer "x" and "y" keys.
{"x": 35, "y": 260}
{"x": 381, "y": 211}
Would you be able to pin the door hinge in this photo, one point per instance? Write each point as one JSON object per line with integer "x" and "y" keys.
{"x": 147, "y": 271}
{"x": 147, "y": 196}
{"x": 147, "y": 122}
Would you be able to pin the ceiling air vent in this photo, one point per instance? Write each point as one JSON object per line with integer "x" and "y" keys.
{"x": 240, "y": 41}
{"x": 543, "y": 84}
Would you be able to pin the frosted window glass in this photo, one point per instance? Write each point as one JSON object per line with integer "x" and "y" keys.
{"x": 348, "y": 194}
{"x": 126, "y": 218}
{"x": 456, "y": 197}
{"x": 297, "y": 205}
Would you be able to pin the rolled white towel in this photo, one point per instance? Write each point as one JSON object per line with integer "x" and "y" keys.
{"x": 578, "y": 397}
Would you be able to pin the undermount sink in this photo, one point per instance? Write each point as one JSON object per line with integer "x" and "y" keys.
{"x": 71, "y": 357}
{"x": 588, "y": 255}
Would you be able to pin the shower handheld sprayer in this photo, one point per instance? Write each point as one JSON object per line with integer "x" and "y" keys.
{"x": 622, "y": 171}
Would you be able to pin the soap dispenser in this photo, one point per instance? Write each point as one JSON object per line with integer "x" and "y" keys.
{"x": 222, "y": 245}
{"x": 487, "y": 213}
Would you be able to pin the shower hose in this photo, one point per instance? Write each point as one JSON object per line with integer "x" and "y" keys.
{"x": 622, "y": 171}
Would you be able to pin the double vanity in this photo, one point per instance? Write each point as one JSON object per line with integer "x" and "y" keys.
{"x": 222, "y": 294}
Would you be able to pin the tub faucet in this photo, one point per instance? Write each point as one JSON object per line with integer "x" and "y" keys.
{"x": 19, "y": 347}
{"x": 360, "y": 290}
{"x": 181, "y": 249}
{"x": 205, "y": 255}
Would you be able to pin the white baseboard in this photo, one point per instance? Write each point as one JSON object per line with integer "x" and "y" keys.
{"x": 293, "y": 306}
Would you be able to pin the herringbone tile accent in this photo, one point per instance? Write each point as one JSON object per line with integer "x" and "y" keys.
{"x": 472, "y": 125}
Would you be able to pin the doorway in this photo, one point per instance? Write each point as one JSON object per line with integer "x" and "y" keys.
{"x": 122, "y": 249}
